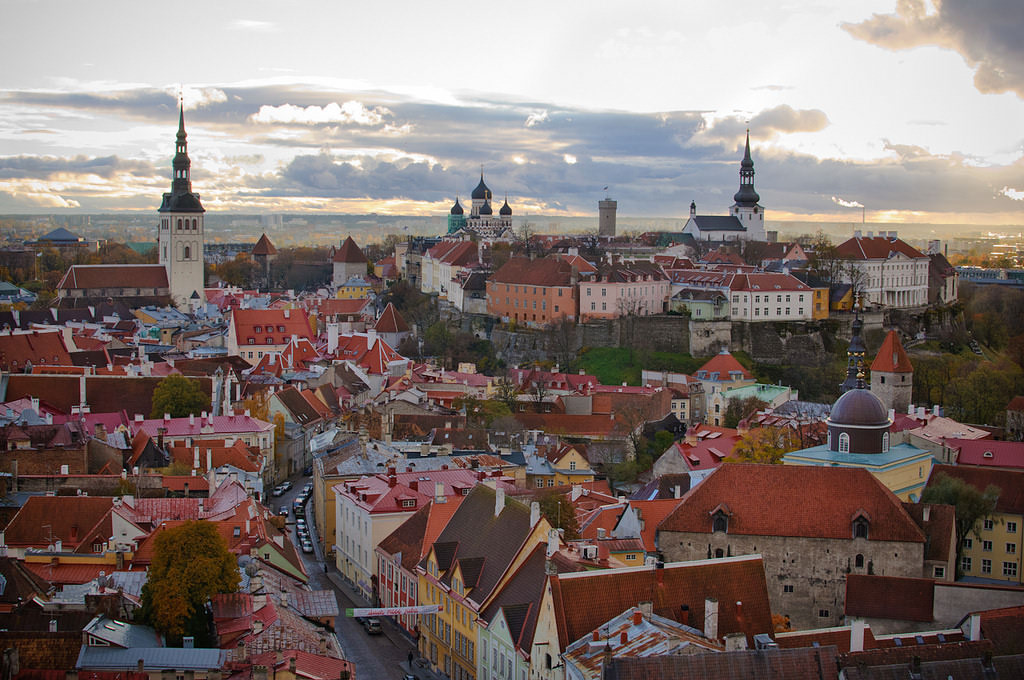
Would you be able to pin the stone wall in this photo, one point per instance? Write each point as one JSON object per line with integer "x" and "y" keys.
{"x": 93, "y": 485}
{"x": 814, "y": 569}
{"x": 780, "y": 343}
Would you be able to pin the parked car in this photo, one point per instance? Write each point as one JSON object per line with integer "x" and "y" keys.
{"x": 307, "y": 489}
{"x": 286, "y": 485}
{"x": 283, "y": 511}
{"x": 278, "y": 490}
{"x": 307, "y": 547}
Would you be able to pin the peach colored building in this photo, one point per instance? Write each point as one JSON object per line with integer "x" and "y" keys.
{"x": 623, "y": 289}
{"x": 533, "y": 292}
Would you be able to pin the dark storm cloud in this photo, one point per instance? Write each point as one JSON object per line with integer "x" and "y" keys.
{"x": 46, "y": 167}
{"x": 987, "y": 33}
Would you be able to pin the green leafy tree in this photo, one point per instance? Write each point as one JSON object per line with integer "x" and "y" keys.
{"x": 558, "y": 510}
{"x": 191, "y": 563}
{"x": 765, "y": 445}
{"x": 972, "y": 505}
{"x": 179, "y": 396}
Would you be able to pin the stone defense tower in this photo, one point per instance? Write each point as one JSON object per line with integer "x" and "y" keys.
{"x": 606, "y": 217}
{"x": 892, "y": 375}
{"x": 180, "y": 238}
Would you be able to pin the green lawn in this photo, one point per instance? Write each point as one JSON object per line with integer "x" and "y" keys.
{"x": 617, "y": 365}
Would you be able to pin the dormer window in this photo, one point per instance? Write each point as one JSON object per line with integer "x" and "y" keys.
{"x": 258, "y": 329}
{"x": 720, "y": 522}
{"x": 860, "y": 527}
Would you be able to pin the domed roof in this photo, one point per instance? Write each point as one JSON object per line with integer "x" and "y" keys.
{"x": 859, "y": 407}
{"x": 746, "y": 196}
{"x": 506, "y": 210}
{"x": 481, "y": 192}
{"x": 457, "y": 208}
{"x": 485, "y": 209}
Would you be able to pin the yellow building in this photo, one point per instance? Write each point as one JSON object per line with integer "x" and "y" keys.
{"x": 356, "y": 288}
{"x": 487, "y": 539}
{"x": 992, "y": 551}
{"x": 564, "y": 466}
{"x": 819, "y": 303}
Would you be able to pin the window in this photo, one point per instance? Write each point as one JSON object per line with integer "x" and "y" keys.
{"x": 1010, "y": 569}
{"x": 844, "y": 443}
{"x": 860, "y": 528}
{"x": 787, "y": 589}
{"x": 986, "y": 546}
{"x": 720, "y": 522}
{"x": 986, "y": 566}
{"x": 939, "y": 572}
{"x": 988, "y": 524}
{"x": 823, "y": 613}
{"x": 719, "y": 553}
{"x": 968, "y": 543}
{"x": 1011, "y": 548}
{"x": 1011, "y": 527}
{"x": 858, "y": 561}
{"x": 965, "y": 564}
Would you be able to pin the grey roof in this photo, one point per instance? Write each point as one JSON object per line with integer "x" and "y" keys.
{"x": 60, "y": 234}
{"x": 121, "y": 634}
{"x": 178, "y": 658}
{"x": 718, "y": 223}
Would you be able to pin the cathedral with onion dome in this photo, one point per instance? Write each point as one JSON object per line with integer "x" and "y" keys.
{"x": 481, "y": 222}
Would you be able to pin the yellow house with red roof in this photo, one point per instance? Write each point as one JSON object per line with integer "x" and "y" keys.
{"x": 252, "y": 333}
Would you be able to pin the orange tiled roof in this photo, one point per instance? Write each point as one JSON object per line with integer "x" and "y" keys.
{"x": 891, "y": 357}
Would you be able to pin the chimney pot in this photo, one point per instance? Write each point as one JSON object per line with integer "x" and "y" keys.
{"x": 638, "y": 618}
{"x": 623, "y": 638}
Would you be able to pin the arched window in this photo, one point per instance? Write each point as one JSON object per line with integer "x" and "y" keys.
{"x": 179, "y": 224}
{"x": 188, "y": 253}
{"x": 720, "y": 522}
{"x": 194, "y": 223}
{"x": 885, "y": 442}
{"x": 719, "y": 552}
{"x": 844, "y": 443}
{"x": 828, "y": 440}
{"x": 858, "y": 561}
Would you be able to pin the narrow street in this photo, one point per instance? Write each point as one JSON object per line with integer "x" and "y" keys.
{"x": 375, "y": 656}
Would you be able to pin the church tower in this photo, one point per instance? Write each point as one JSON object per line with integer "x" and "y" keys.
{"x": 180, "y": 238}
{"x": 746, "y": 208}
{"x": 855, "y": 355}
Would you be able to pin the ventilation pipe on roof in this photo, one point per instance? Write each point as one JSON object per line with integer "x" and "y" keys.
{"x": 711, "y": 618}
{"x": 499, "y": 501}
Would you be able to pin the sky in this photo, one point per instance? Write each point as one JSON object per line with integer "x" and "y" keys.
{"x": 903, "y": 110}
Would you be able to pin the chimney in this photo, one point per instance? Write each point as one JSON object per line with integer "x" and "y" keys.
{"x": 499, "y": 501}
{"x": 392, "y": 480}
{"x": 935, "y": 410}
{"x": 623, "y": 638}
{"x": 195, "y": 457}
{"x": 240, "y": 652}
{"x": 684, "y": 614}
{"x": 735, "y": 642}
{"x": 638, "y": 618}
{"x": 534, "y": 513}
{"x": 926, "y": 512}
{"x": 595, "y": 636}
{"x": 53, "y": 625}
{"x": 974, "y": 627}
{"x": 74, "y": 532}
{"x": 414, "y": 484}
{"x": 910, "y": 409}
{"x": 439, "y": 493}
{"x": 552, "y": 542}
{"x": 287, "y": 313}
{"x": 659, "y": 572}
{"x": 600, "y": 534}
{"x": 711, "y": 618}
{"x": 141, "y": 667}
{"x": 920, "y": 411}
{"x": 857, "y": 635}
{"x": 191, "y": 418}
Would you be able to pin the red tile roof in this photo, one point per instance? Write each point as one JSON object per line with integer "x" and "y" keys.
{"x": 839, "y": 494}
{"x": 890, "y": 597}
{"x": 876, "y": 248}
{"x": 349, "y": 252}
{"x": 607, "y": 593}
{"x": 279, "y": 325}
{"x": 307, "y": 665}
{"x": 542, "y": 272}
{"x": 767, "y": 282}
{"x": 724, "y": 365}
{"x": 891, "y": 357}
{"x": 264, "y": 247}
{"x": 1005, "y": 628}
{"x": 44, "y": 519}
{"x": 391, "y": 321}
{"x": 1009, "y": 482}
{"x": 68, "y": 573}
{"x": 988, "y": 452}
{"x": 35, "y": 347}
{"x": 88, "y": 276}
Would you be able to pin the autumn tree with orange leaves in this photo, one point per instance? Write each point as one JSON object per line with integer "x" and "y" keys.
{"x": 191, "y": 563}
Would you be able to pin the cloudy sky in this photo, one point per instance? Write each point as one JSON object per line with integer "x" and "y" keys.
{"x": 912, "y": 109}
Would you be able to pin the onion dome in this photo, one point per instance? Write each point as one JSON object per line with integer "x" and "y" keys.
{"x": 485, "y": 209}
{"x": 481, "y": 192}
{"x": 506, "y": 209}
{"x": 457, "y": 208}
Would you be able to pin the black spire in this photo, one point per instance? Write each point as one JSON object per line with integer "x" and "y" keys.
{"x": 855, "y": 355}
{"x": 746, "y": 197}
{"x": 181, "y": 198}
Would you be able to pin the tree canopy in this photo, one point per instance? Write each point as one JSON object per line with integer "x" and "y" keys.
{"x": 558, "y": 510}
{"x": 971, "y": 505}
{"x": 179, "y": 396}
{"x": 191, "y": 562}
{"x": 765, "y": 445}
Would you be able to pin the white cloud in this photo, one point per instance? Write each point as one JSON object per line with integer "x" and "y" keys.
{"x": 846, "y": 204}
{"x": 536, "y": 118}
{"x": 569, "y": 158}
{"x": 1015, "y": 194}
{"x": 351, "y": 112}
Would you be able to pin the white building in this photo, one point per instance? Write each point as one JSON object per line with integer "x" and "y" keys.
{"x": 895, "y": 274}
{"x": 745, "y": 221}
